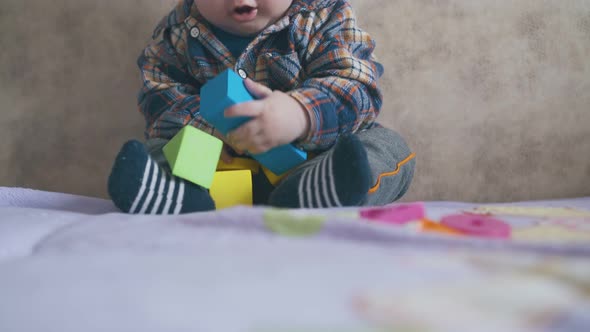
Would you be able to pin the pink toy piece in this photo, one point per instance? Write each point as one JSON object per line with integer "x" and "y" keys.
{"x": 478, "y": 225}
{"x": 398, "y": 214}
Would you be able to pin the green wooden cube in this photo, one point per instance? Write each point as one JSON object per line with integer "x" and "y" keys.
{"x": 193, "y": 155}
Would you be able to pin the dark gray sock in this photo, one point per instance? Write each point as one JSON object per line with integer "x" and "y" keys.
{"x": 138, "y": 185}
{"x": 340, "y": 177}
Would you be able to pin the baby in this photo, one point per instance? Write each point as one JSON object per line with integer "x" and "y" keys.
{"x": 312, "y": 72}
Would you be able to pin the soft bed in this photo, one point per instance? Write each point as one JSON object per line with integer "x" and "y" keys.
{"x": 74, "y": 263}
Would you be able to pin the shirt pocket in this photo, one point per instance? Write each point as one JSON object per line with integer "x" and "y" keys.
{"x": 283, "y": 71}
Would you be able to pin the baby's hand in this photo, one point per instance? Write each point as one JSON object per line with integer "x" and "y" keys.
{"x": 277, "y": 119}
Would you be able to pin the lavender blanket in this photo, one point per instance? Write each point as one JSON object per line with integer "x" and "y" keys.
{"x": 71, "y": 263}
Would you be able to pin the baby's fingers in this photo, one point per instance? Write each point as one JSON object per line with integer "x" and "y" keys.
{"x": 258, "y": 90}
{"x": 249, "y": 109}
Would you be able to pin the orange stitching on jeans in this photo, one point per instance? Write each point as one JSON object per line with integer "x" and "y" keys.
{"x": 397, "y": 169}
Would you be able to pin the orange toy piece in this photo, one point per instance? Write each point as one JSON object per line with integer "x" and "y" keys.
{"x": 429, "y": 226}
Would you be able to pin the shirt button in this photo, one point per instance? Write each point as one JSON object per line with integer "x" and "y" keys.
{"x": 195, "y": 32}
{"x": 242, "y": 73}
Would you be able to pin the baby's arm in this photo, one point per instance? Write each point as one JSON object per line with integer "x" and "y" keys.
{"x": 169, "y": 96}
{"x": 341, "y": 93}
{"x": 339, "y": 96}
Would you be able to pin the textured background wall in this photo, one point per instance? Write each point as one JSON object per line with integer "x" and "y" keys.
{"x": 493, "y": 95}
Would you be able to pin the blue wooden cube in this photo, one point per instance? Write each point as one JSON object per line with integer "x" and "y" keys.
{"x": 227, "y": 89}
{"x": 282, "y": 158}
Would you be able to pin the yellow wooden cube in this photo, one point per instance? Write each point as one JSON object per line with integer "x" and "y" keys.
{"x": 231, "y": 188}
{"x": 239, "y": 164}
{"x": 272, "y": 177}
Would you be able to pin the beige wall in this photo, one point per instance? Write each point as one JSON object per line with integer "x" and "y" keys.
{"x": 493, "y": 95}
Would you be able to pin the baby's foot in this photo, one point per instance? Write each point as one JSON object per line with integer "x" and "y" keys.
{"x": 138, "y": 185}
{"x": 339, "y": 177}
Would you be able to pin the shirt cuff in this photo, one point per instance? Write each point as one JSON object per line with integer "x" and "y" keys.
{"x": 311, "y": 100}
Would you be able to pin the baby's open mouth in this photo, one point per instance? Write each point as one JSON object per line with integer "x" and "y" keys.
{"x": 244, "y": 10}
{"x": 245, "y": 13}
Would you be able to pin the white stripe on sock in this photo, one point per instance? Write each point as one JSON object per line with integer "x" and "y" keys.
{"x": 330, "y": 176}
{"x": 323, "y": 175}
{"x": 171, "y": 187}
{"x": 146, "y": 172}
{"x": 308, "y": 191}
{"x": 163, "y": 178}
{"x": 147, "y": 201}
{"x": 316, "y": 185}
{"x": 300, "y": 189}
{"x": 179, "y": 198}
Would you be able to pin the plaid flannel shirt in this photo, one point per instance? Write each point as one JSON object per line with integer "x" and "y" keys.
{"x": 316, "y": 53}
